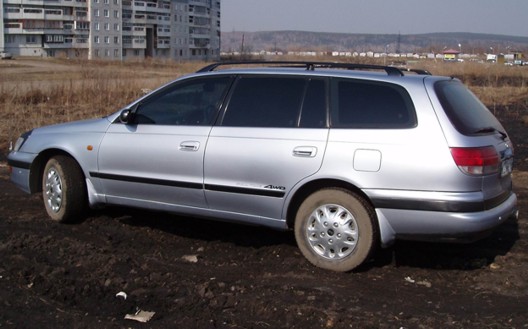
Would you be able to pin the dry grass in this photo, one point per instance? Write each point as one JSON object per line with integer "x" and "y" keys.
{"x": 41, "y": 92}
{"x": 35, "y": 93}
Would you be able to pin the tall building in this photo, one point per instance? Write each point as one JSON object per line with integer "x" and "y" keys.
{"x": 111, "y": 29}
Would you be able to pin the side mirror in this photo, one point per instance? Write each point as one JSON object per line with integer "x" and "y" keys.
{"x": 125, "y": 116}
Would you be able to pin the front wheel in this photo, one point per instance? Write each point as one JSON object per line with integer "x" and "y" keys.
{"x": 335, "y": 229}
{"x": 64, "y": 189}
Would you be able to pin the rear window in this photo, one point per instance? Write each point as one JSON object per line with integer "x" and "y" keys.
{"x": 465, "y": 111}
{"x": 375, "y": 105}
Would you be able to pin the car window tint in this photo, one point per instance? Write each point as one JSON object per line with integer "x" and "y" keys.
{"x": 313, "y": 114}
{"x": 361, "y": 104}
{"x": 265, "y": 102}
{"x": 193, "y": 103}
{"x": 465, "y": 111}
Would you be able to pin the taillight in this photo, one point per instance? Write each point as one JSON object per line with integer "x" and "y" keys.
{"x": 476, "y": 160}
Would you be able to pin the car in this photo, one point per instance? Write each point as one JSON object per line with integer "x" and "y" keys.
{"x": 5, "y": 55}
{"x": 349, "y": 157}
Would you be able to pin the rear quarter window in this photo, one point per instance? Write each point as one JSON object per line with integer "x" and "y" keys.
{"x": 465, "y": 111}
{"x": 374, "y": 105}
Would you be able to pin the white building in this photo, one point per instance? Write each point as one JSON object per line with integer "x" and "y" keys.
{"x": 111, "y": 29}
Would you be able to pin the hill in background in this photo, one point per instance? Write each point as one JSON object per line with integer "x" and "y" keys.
{"x": 417, "y": 43}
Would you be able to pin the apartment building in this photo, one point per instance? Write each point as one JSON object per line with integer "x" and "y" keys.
{"x": 111, "y": 29}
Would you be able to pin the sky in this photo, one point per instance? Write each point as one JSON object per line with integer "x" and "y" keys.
{"x": 507, "y": 17}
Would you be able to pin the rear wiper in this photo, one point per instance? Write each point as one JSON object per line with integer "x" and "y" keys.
{"x": 491, "y": 130}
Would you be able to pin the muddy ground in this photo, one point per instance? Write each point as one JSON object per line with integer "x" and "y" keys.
{"x": 204, "y": 274}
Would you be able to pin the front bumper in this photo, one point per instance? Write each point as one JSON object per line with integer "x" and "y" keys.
{"x": 20, "y": 164}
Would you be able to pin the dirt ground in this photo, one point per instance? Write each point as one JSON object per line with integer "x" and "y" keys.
{"x": 204, "y": 274}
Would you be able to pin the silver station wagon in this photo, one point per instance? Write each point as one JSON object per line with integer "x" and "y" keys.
{"x": 350, "y": 157}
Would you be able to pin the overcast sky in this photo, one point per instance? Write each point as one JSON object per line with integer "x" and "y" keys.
{"x": 509, "y": 17}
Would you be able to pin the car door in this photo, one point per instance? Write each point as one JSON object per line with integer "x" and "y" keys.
{"x": 272, "y": 135}
{"x": 157, "y": 158}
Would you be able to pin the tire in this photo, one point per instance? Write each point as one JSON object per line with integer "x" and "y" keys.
{"x": 64, "y": 189}
{"x": 335, "y": 229}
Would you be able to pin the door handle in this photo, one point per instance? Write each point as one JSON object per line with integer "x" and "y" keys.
{"x": 189, "y": 146}
{"x": 305, "y": 151}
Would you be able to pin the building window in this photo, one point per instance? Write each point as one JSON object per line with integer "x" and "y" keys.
{"x": 96, "y": 26}
{"x": 116, "y": 27}
{"x": 82, "y": 25}
{"x": 96, "y": 39}
{"x": 106, "y": 13}
{"x": 97, "y": 53}
{"x": 52, "y": 12}
{"x": 96, "y": 12}
{"x": 116, "y": 52}
{"x": 12, "y": 10}
{"x": 50, "y": 38}
{"x": 32, "y": 11}
{"x": 107, "y": 52}
{"x": 116, "y": 40}
{"x": 31, "y": 39}
{"x": 10, "y": 38}
{"x": 107, "y": 39}
{"x": 107, "y": 26}
{"x": 116, "y": 13}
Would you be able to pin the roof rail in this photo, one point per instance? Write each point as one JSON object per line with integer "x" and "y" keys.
{"x": 417, "y": 71}
{"x": 310, "y": 66}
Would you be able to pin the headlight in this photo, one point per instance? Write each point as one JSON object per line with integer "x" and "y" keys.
{"x": 20, "y": 141}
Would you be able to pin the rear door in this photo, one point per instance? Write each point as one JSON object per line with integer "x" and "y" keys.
{"x": 272, "y": 135}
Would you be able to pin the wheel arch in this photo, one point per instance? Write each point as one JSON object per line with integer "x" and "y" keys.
{"x": 310, "y": 187}
{"x": 38, "y": 165}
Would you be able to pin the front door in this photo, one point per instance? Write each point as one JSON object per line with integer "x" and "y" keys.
{"x": 157, "y": 158}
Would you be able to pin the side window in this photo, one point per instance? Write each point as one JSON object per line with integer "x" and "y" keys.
{"x": 313, "y": 114}
{"x": 363, "y": 104}
{"x": 265, "y": 102}
{"x": 192, "y": 103}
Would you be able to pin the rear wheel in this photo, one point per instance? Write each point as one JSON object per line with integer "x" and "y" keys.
{"x": 64, "y": 189}
{"x": 335, "y": 229}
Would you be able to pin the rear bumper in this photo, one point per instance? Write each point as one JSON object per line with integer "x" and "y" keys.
{"x": 443, "y": 226}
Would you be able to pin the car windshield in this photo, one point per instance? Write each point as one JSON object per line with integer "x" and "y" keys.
{"x": 465, "y": 111}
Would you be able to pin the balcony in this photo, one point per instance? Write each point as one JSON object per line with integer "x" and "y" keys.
{"x": 137, "y": 31}
{"x": 163, "y": 43}
{"x": 58, "y": 46}
{"x": 66, "y": 3}
{"x": 200, "y": 43}
{"x": 139, "y": 44}
{"x": 13, "y": 28}
{"x": 151, "y": 7}
{"x": 83, "y": 44}
{"x": 163, "y": 32}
